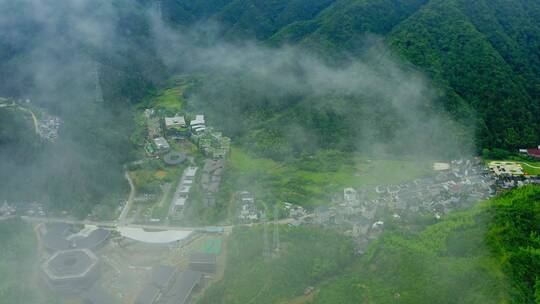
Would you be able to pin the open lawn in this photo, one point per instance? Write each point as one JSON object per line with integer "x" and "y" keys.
{"x": 172, "y": 98}
{"x": 169, "y": 99}
{"x": 531, "y": 168}
{"x": 311, "y": 181}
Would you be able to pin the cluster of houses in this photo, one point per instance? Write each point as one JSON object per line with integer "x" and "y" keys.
{"x": 48, "y": 128}
{"x": 162, "y": 128}
{"x": 463, "y": 183}
{"x": 212, "y": 143}
{"x": 22, "y": 208}
{"x": 7, "y": 210}
{"x": 181, "y": 195}
{"x": 211, "y": 179}
{"x": 247, "y": 210}
{"x": 294, "y": 211}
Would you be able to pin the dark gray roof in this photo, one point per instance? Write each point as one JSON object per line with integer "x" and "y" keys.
{"x": 56, "y": 242}
{"x": 174, "y": 158}
{"x": 148, "y": 295}
{"x": 322, "y": 209}
{"x": 214, "y": 186}
{"x": 202, "y": 257}
{"x": 183, "y": 287}
{"x": 55, "y": 239}
{"x": 162, "y": 276}
{"x": 70, "y": 263}
{"x": 97, "y": 295}
{"x": 60, "y": 229}
{"x": 93, "y": 240}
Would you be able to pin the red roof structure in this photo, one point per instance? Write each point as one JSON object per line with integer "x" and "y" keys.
{"x": 534, "y": 152}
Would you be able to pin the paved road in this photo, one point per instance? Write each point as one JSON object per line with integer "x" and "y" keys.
{"x": 34, "y": 118}
{"x": 114, "y": 224}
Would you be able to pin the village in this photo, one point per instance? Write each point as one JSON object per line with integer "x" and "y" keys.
{"x": 148, "y": 253}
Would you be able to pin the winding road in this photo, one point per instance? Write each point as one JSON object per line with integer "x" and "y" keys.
{"x": 34, "y": 118}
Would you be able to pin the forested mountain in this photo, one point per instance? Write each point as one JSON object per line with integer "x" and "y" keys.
{"x": 483, "y": 54}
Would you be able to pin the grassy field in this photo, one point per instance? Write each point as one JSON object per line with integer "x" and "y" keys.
{"x": 169, "y": 99}
{"x": 310, "y": 181}
{"x": 531, "y": 168}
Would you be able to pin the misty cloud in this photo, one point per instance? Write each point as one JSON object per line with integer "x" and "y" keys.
{"x": 362, "y": 90}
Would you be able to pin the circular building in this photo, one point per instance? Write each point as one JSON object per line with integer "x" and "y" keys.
{"x": 174, "y": 158}
{"x": 71, "y": 271}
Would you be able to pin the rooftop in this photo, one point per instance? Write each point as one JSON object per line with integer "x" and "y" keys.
{"x": 148, "y": 295}
{"x": 190, "y": 171}
{"x": 176, "y": 121}
{"x": 94, "y": 239}
{"x": 202, "y": 258}
{"x": 534, "y": 152}
{"x": 161, "y": 143}
{"x": 183, "y": 287}
{"x": 70, "y": 264}
{"x": 162, "y": 276}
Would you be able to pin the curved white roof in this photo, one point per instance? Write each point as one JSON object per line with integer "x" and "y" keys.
{"x": 158, "y": 237}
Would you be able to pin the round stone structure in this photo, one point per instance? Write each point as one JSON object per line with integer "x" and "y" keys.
{"x": 70, "y": 271}
{"x": 174, "y": 158}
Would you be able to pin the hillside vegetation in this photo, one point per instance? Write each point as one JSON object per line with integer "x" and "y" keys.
{"x": 482, "y": 55}
{"x": 486, "y": 255}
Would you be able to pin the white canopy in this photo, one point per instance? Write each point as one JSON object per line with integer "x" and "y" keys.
{"x": 158, "y": 237}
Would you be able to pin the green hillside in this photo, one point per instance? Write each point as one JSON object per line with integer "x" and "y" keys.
{"x": 485, "y": 255}
{"x": 482, "y": 54}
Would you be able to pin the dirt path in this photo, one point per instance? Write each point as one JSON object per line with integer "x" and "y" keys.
{"x": 34, "y": 118}
{"x": 528, "y": 165}
{"x": 127, "y": 206}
